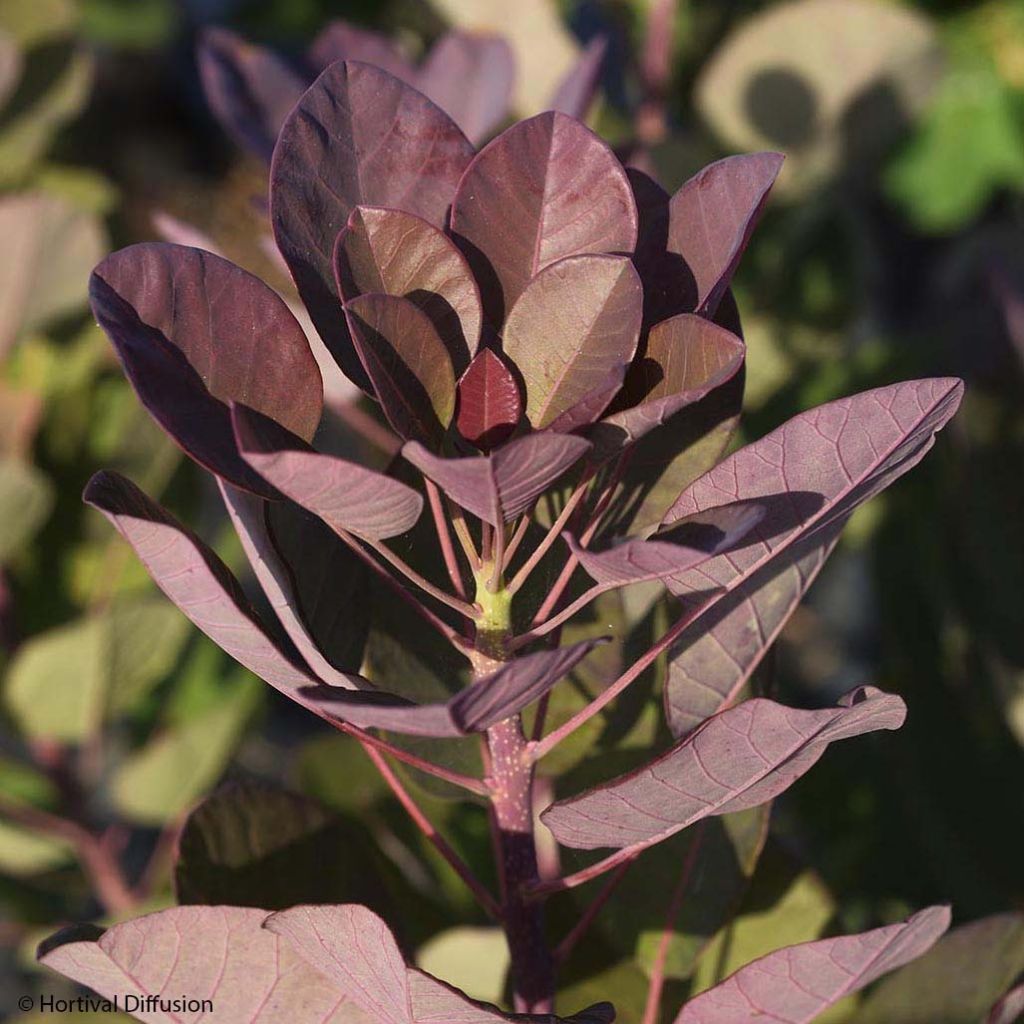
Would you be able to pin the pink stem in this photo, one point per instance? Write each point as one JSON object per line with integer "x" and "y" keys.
{"x": 522, "y": 528}
{"x": 367, "y": 427}
{"x": 550, "y": 537}
{"x": 562, "y": 617}
{"x": 566, "y": 946}
{"x": 444, "y": 538}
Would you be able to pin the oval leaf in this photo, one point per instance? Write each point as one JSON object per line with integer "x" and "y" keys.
{"x": 194, "y": 333}
{"x": 575, "y": 93}
{"x": 544, "y": 189}
{"x": 489, "y": 405}
{"x": 576, "y": 324}
{"x": 357, "y": 137}
{"x": 343, "y": 494}
{"x": 398, "y": 253}
{"x": 500, "y": 486}
{"x": 800, "y": 982}
{"x": 407, "y": 363}
{"x": 343, "y": 41}
{"x": 742, "y": 757}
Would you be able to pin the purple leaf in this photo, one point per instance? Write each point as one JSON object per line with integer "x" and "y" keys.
{"x": 485, "y": 702}
{"x": 488, "y": 406}
{"x": 219, "y": 953}
{"x": 342, "y": 41}
{"x": 312, "y": 580}
{"x": 196, "y": 580}
{"x": 544, "y": 189}
{"x": 353, "y": 948}
{"x": 812, "y": 473}
{"x": 711, "y": 219}
{"x": 575, "y": 93}
{"x": 685, "y": 359}
{"x": 401, "y": 254}
{"x": 740, "y": 758}
{"x": 249, "y": 88}
{"x": 358, "y": 137}
{"x": 795, "y": 984}
{"x": 670, "y": 552}
{"x": 407, "y": 362}
{"x": 194, "y": 333}
{"x": 500, "y": 486}
{"x": 592, "y": 305}
{"x": 343, "y": 494}
{"x": 470, "y": 75}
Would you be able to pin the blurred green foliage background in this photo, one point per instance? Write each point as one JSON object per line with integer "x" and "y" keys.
{"x": 892, "y": 248}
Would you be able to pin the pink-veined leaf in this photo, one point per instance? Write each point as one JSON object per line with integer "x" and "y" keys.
{"x": 398, "y": 253}
{"x": 794, "y": 985}
{"x": 485, "y": 702}
{"x": 504, "y": 484}
{"x": 740, "y": 758}
{"x": 575, "y": 93}
{"x": 544, "y": 189}
{"x": 686, "y": 358}
{"x": 672, "y": 551}
{"x": 358, "y": 137}
{"x": 197, "y": 581}
{"x": 343, "y": 494}
{"x": 470, "y": 75}
{"x": 249, "y": 88}
{"x": 488, "y": 403}
{"x": 407, "y": 362}
{"x": 194, "y": 333}
{"x": 710, "y": 221}
{"x": 353, "y": 948}
{"x": 223, "y": 954}
{"x": 314, "y": 583}
{"x": 812, "y": 473}
{"x": 340, "y": 40}
{"x": 575, "y": 325}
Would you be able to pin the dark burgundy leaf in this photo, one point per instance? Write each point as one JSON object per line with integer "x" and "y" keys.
{"x": 811, "y": 473}
{"x": 575, "y": 93}
{"x": 197, "y": 581}
{"x": 359, "y": 136}
{"x": 489, "y": 405}
{"x": 686, "y": 358}
{"x": 407, "y": 362}
{"x": 711, "y": 219}
{"x": 575, "y": 326}
{"x": 401, "y": 254}
{"x": 500, "y": 486}
{"x": 343, "y": 494}
{"x": 470, "y": 75}
{"x": 194, "y": 333}
{"x": 249, "y": 88}
{"x": 485, "y": 702}
{"x": 798, "y": 983}
{"x": 544, "y": 189}
{"x": 740, "y": 758}
{"x": 342, "y": 41}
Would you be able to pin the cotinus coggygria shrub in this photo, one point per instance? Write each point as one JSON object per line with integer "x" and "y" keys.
{"x": 553, "y": 339}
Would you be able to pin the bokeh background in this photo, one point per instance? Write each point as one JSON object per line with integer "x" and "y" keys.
{"x": 893, "y": 247}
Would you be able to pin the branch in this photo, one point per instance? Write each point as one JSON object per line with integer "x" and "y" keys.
{"x": 444, "y": 538}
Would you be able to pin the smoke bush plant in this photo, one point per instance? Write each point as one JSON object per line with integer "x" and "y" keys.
{"x": 553, "y": 338}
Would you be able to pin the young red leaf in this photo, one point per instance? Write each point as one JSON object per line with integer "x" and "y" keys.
{"x": 740, "y": 758}
{"x": 500, "y": 486}
{"x": 470, "y": 75}
{"x": 343, "y": 494}
{"x": 249, "y": 88}
{"x": 575, "y": 93}
{"x": 488, "y": 406}
{"x": 194, "y": 333}
{"x": 814, "y": 471}
{"x": 798, "y": 983}
{"x": 342, "y": 41}
{"x": 685, "y": 359}
{"x": 575, "y": 325}
{"x": 357, "y": 137}
{"x": 711, "y": 219}
{"x": 544, "y": 189}
{"x": 407, "y": 362}
{"x": 485, "y": 702}
{"x": 398, "y": 253}
{"x": 197, "y": 581}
